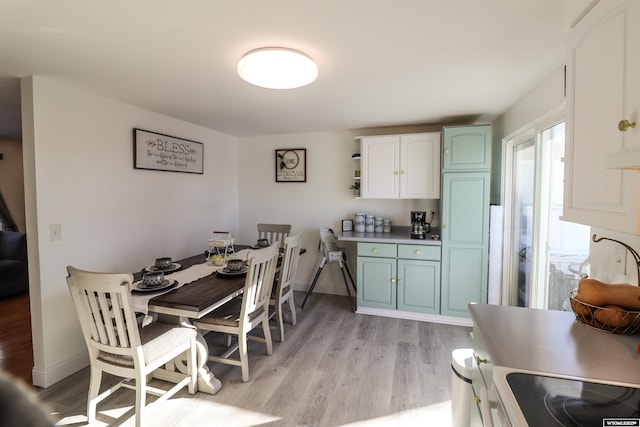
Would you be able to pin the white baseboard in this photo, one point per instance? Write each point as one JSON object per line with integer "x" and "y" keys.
{"x": 46, "y": 377}
{"x": 399, "y": 314}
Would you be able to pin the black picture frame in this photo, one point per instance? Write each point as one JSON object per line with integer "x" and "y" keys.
{"x": 157, "y": 151}
{"x": 291, "y": 164}
{"x": 347, "y": 225}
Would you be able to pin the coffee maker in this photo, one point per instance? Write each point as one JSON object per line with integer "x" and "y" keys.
{"x": 419, "y": 225}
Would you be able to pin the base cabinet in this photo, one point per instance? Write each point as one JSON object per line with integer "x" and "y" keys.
{"x": 399, "y": 277}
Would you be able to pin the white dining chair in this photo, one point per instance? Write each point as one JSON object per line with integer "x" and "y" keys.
{"x": 221, "y": 243}
{"x": 283, "y": 288}
{"x": 239, "y": 316}
{"x": 331, "y": 254}
{"x": 119, "y": 346}
{"x": 274, "y": 232}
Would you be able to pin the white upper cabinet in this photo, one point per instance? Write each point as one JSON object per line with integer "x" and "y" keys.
{"x": 400, "y": 166}
{"x": 603, "y": 76}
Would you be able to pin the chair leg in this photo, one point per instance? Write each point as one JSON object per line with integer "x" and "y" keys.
{"x": 353, "y": 283}
{"x": 94, "y": 389}
{"x": 315, "y": 280}
{"x": 292, "y": 308}
{"x": 267, "y": 335}
{"x": 242, "y": 351}
{"x": 192, "y": 367}
{"x": 141, "y": 396}
{"x": 279, "y": 321}
{"x": 346, "y": 285}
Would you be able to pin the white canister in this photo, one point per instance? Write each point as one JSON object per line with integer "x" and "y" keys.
{"x": 369, "y": 224}
{"x": 379, "y": 224}
{"x": 359, "y": 222}
{"x": 386, "y": 226}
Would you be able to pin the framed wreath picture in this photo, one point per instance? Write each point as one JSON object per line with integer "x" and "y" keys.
{"x": 291, "y": 165}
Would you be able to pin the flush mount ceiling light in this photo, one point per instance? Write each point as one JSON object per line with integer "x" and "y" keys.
{"x": 277, "y": 68}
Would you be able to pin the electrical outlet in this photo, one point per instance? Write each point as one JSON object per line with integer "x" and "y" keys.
{"x": 55, "y": 232}
{"x": 620, "y": 260}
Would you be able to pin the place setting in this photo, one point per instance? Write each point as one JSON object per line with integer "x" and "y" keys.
{"x": 153, "y": 281}
{"x": 164, "y": 265}
{"x": 234, "y": 267}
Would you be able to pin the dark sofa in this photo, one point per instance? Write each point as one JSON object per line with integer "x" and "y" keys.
{"x": 14, "y": 272}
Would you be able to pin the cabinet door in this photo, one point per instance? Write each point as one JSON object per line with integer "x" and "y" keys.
{"x": 380, "y": 157}
{"x": 602, "y": 89}
{"x": 465, "y": 241}
{"x": 420, "y": 166}
{"x": 419, "y": 286}
{"x": 466, "y": 148}
{"x": 376, "y": 282}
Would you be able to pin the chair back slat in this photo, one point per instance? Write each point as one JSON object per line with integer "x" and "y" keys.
{"x": 260, "y": 274}
{"x": 274, "y": 232}
{"x": 289, "y": 263}
{"x": 103, "y": 301}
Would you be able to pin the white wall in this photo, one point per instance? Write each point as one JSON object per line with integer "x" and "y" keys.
{"x": 324, "y": 200}
{"x": 78, "y": 150}
{"x": 12, "y": 180}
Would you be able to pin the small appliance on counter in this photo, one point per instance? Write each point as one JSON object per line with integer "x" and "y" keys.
{"x": 419, "y": 225}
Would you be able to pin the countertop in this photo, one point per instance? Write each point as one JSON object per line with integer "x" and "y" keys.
{"x": 554, "y": 342}
{"x": 398, "y": 234}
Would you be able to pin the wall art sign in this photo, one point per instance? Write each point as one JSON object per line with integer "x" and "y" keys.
{"x": 291, "y": 165}
{"x": 156, "y": 151}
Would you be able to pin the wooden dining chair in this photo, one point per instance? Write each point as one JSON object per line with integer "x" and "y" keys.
{"x": 118, "y": 346}
{"x": 283, "y": 289}
{"x": 239, "y": 316}
{"x": 274, "y": 232}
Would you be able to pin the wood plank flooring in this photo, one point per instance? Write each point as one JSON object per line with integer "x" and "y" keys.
{"x": 16, "y": 351}
{"x": 335, "y": 368}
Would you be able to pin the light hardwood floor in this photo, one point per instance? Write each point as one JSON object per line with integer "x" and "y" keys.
{"x": 335, "y": 368}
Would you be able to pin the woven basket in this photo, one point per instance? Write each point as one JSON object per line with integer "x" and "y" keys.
{"x": 622, "y": 322}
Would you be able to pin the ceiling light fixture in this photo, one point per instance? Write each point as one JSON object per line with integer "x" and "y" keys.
{"x": 277, "y": 68}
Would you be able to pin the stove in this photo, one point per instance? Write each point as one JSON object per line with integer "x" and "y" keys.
{"x": 527, "y": 398}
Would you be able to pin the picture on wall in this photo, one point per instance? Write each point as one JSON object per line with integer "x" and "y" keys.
{"x": 157, "y": 151}
{"x": 291, "y": 165}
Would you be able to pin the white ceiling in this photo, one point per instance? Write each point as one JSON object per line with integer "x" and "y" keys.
{"x": 381, "y": 62}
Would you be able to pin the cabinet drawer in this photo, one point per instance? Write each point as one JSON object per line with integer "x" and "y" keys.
{"x": 383, "y": 250}
{"x": 423, "y": 252}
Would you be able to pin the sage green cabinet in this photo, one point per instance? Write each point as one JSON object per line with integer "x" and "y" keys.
{"x": 399, "y": 277}
{"x": 465, "y": 219}
{"x": 466, "y": 148}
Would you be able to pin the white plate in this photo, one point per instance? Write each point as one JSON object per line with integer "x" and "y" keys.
{"x": 165, "y": 284}
{"x": 175, "y": 266}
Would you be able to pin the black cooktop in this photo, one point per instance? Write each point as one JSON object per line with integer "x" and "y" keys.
{"x": 549, "y": 401}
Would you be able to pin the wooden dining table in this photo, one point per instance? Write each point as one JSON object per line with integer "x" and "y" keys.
{"x": 192, "y": 301}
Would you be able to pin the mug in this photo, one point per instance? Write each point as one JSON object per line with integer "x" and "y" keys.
{"x": 152, "y": 279}
{"x": 235, "y": 264}
{"x": 164, "y": 262}
{"x": 263, "y": 243}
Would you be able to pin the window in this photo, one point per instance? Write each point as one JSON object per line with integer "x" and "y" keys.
{"x": 543, "y": 255}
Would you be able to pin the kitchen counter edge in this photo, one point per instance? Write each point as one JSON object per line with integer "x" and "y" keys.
{"x": 397, "y": 235}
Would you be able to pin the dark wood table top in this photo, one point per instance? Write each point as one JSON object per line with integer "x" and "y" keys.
{"x": 196, "y": 299}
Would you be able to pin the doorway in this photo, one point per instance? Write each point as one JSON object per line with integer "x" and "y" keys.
{"x": 544, "y": 257}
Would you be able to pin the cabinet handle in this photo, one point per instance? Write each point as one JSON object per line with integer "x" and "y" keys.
{"x": 446, "y": 151}
{"x": 401, "y": 172}
{"x": 398, "y": 281}
{"x": 480, "y": 361}
{"x": 393, "y": 280}
{"x": 395, "y": 172}
{"x": 418, "y": 252}
{"x": 623, "y": 125}
{"x": 444, "y": 226}
{"x": 374, "y": 250}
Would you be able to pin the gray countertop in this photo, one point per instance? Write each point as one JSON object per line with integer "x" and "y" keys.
{"x": 554, "y": 342}
{"x": 399, "y": 234}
